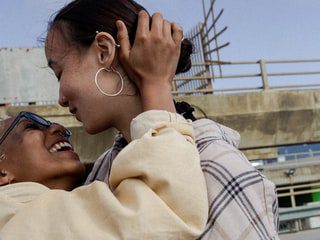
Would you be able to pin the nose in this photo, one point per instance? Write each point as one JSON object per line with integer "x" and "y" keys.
{"x": 57, "y": 129}
{"x": 63, "y": 100}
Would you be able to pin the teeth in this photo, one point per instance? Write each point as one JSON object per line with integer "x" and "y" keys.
{"x": 60, "y": 145}
{"x": 53, "y": 149}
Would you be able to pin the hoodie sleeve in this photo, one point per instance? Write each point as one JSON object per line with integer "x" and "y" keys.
{"x": 157, "y": 191}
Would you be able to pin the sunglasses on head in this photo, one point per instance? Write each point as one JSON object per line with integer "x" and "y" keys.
{"x": 34, "y": 118}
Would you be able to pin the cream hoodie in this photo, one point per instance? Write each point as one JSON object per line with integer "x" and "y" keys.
{"x": 158, "y": 192}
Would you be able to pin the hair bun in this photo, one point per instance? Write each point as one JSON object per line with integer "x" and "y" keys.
{"x": 184, "y": 63}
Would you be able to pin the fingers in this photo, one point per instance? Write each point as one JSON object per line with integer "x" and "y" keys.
{"x": 143, "y": 23}
{"x": 177, "y": 33}
{"x": 167, "y": 29}
{"x": 123, "y": 39}
{"x": 157, "y": 25}
{"x": 163, "y": 28}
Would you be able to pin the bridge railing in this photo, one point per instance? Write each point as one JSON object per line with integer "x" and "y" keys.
{"x": 297, "y": 190}
{"x": 206, "y": 81}
{"x": 298, "y": 218}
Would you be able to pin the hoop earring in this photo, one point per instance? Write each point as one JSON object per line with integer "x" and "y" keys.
{"x": 109, "y": 70}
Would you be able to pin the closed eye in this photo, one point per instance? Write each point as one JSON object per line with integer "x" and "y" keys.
{"x": 32, "y": 126}
{"x": 54, "y": 66}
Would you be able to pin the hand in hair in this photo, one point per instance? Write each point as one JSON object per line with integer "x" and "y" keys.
{"x": 152, "y": 61}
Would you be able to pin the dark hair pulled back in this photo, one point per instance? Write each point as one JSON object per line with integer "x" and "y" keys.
{"x": 80, "y": 19}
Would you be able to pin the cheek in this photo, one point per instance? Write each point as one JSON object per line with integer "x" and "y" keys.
{"x": 33, "y": 146}
{"x": 68, "y": 89}
{"x": 75, "y": 84}
{"x": 25, "y": 159}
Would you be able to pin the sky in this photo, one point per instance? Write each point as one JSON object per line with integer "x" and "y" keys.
{"x": 273, "y": 29}
{"x": 257, "y": 29}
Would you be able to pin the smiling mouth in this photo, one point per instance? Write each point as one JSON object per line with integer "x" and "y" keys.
{"x": 61, "y": 146}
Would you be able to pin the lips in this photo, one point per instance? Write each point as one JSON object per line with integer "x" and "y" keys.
{"x": 72, "y": 110}
{"x": 64, "y": 149}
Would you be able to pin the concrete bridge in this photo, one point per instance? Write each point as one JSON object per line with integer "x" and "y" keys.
{"x": 265, "y": 120}
{"x": 265, "y": 117}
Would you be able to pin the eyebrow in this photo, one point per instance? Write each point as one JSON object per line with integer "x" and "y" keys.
{"x": 22, "y": 120}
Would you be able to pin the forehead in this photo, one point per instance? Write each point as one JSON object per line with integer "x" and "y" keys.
{"x": 56, "y": 46}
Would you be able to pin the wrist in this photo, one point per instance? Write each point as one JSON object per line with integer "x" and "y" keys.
{"x": 157, "y": 97}
{"x": 155, "y": 87}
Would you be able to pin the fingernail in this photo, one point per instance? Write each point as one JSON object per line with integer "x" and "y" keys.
{"x": 118, "y": 24}
{"x": 178, "y": 26}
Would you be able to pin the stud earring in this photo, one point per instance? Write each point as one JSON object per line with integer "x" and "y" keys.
{"x": 117, "y": 45}
{"x": 3, "y": 173}
{"x": 100, "y": 89}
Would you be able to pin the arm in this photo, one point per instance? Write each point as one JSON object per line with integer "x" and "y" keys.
{"x": 154, "y": 69}
{"x": 152, "y": 73}
{"x": 158, "y": 192}
{"x": 235, "y": 187}
{"x": 158, "y": 189}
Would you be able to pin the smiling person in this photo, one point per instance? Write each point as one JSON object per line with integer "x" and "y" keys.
{"x": 37, "y": 150}
{"x": 101, "y": 78}
{"x": 149, "y": 195}
{"x": 81, "y": 49}
{"x": 150, "y": 182}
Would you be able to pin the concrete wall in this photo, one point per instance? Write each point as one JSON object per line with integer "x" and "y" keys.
{"x": 265, "y": 120}
{"x": 268, "y": 118}
{"x": 26, "y": 77}
{"x": 303, "y": 172}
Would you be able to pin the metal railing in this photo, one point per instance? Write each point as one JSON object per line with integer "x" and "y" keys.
{"x": 290, "y": 157}
{"x": 291, "y": 219}
{"x": 295, "y": 190}
{"x": 205, "y": 38}
{"x": 301, "y": 212}
{"x": 209, "y": 32}
{"x": 262, "y": 77}
{"x": 296, "y": 218}
{"x": 303, "y": 158}
{"x": 201, "y": 80}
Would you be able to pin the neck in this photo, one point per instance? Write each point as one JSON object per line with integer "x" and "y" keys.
{"x": 131, "y": 108}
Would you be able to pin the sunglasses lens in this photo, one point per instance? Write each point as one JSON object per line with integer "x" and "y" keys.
{"x": 39, "y": 120}
{"x": 43, "y": 122}
{"x": 68, "y": 133}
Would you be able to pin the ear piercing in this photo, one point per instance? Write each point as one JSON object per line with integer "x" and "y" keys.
{"x": 3, "y": 173}
{"x": 117, "y": 45}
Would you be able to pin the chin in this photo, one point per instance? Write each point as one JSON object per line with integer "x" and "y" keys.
{"x": 95, "y": 128}
{"x": 76, "y": 179}
{"x": 91, "y": 130}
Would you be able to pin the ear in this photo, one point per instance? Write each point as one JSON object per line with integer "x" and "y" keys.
{"x": 5, "y": 177}
{"x": 105, "y": 48}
